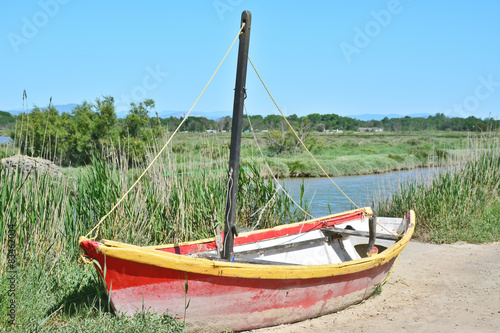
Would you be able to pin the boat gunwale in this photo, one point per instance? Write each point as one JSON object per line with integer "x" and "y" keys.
{"x": 155, "y": 257}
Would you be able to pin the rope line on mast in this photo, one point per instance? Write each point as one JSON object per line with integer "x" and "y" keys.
{"x": 167, "y": 143}
{"x": 297, "y": 136}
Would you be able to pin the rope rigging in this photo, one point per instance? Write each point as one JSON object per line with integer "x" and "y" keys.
{"x": 279, "y": 187}
{"x": 167, "y": 143}
{"x": 297, "y": 136}
{"x": 304, "y": 146}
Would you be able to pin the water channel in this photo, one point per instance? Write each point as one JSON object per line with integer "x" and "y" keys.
{"x": 363, "y": 190}
{"x": 324, "y": 198}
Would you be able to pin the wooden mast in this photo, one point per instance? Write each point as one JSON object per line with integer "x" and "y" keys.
{"x": 234, "y": 157}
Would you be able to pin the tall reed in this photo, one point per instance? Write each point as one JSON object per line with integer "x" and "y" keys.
{"x": 175, "y": 201}
{"x": 454, "y": 203}
{"x": 179, "y": 199}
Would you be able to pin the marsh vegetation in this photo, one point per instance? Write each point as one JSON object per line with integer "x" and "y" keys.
{"x": 182, "y": 198}
{"x": 459, "y": 203}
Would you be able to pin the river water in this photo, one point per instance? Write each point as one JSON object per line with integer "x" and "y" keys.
{"x": 324, "y": 198}
{"x": 363, "y": 190}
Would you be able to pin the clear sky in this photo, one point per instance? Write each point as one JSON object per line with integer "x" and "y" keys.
{"x": 344, "y": 57}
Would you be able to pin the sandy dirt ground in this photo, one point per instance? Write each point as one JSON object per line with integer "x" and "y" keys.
{"x": 434, "y": 288}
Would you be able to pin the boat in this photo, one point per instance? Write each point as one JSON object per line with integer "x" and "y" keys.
{"x": 281, "y": 275}
{"x": 259, "y": 278}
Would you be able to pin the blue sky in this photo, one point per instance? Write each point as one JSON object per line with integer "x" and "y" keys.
{"x": 344, "y": 57}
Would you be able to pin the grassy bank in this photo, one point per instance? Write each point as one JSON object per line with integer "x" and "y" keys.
{"x": 367, "y": 153}
{"x": 48, "y": 213}
{"x": 7, "y": 150}
{"x": 349, "y": 153}
{"x": 63, "y": 295}
{"x": 461, "y": 203}
{"x": 181, "y": 198}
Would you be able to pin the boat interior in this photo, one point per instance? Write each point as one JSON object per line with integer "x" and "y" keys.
{"x": 329, "y": 245}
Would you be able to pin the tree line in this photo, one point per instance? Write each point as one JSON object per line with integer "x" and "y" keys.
{"x": 328, "y": 122}
{"x": 71, "y": 137}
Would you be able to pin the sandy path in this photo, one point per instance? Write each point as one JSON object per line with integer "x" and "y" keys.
{"x": 435, "y": 288}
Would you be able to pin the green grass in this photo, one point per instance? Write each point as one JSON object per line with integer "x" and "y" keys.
{"x": 301, "y": 165}
{"x": 350, "y": 153}
{"x": 461, "y": 203}
{"x": 7, "y": 150}
{"x": 49, "y": 213}
{"x": 179, "y": 199}
{"x": 66, "y": 296}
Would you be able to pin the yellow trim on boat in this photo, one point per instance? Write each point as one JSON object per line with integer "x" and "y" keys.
{"x": 367, "y": 211}
{"x": 151, "y": 256}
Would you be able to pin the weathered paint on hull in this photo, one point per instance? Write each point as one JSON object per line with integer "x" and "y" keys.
{"x": 239, "y": 296}
{"x": 218, "y": 302}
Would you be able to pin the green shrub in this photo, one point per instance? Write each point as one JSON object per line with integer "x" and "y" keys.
{"x": 398, "y": 158}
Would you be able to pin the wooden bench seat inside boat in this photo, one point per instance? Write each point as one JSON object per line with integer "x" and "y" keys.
{"x": 351, "y": 232}
{"x": 310, "y": 248}
{"x": 317, "y": 247}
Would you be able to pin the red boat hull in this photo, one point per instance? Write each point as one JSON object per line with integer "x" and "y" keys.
{"x": 223, "y": 301}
